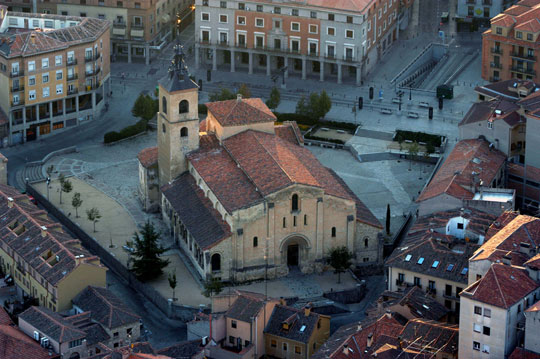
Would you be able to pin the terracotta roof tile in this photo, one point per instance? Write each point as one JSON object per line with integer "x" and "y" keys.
{"x": 502, "y": 286}
{"x": 534, "y": 308}
{"x": 455, "y": 178}
{"x": 14, "y": 344}
{"x": 52, "y": 324}
{"x": 428, "y": 335}
{"x": 148, "y": 157}
{"x": 5, "y": 319}
{"x": 534, "y": 262}
{"x": 296, "y": 320}
{"x": 240, "y": 112}
{"x": 521, "y": 353}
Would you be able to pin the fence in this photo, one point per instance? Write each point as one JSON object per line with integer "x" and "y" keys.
{"x": 170, "y": 309}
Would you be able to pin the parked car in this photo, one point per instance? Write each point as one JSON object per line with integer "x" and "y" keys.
{"x": 412, "y": 115}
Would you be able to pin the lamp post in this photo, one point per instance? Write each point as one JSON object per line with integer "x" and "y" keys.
{"x": 48, "y": 182}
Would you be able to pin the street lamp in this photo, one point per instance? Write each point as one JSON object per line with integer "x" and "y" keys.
{"x": 48, "y": 182}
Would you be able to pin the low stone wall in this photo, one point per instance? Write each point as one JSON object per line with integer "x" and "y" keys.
{"x": 170, "y": 309}
{"x": 348, "y": 296}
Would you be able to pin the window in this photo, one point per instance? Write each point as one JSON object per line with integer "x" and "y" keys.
{"x": 331, "y": 17}
{"x": 259, "y": 22}
{"x": 59, "y": 89}
{"x": 284, "y": 222}
{"x": 476, "y": 346}
{"x": 49, "y": 24}
{"x": 241, "y": 20}
{"x": 205, "y": 16}
{"x": 294, "y": 202}
{"x": 305, "y": 219}
{"x": 233, "y": 323}
{"x": 59, "y": 74}
{"x": 273, "y": 343}
{"x": 490, "y": 124}
{"x": 420, "y": 260}
{"x": 519, "y": 34}
{"x": 58, "y": 60}
{"x": 255, "y": 241}
{"x": 231, "y": 339}
{"x": 366, "y": 242}
{"x": 487, "y": 313}
{"x": 183, "y": 132}
{"x": 485, "y": 348}
{"x": 277, "y": 10}
{"x": 32, "y": 94}
{"x": 460, "y": 226}
{"x": 45, "y": 78}
{"x": 223, "y": 19}
{"x": 294, "y": 221}
{"x": 313, "y": 29}
{"x": 349, "y": 19}
{"x": 13, "y": 21}
{"x": 313, "y": 15}
{"x": 333, "y": 232}
{"x": 164, "y": 104}
{"x": 183, "y": 106}
{"x": 205, "y": 36}
{"x": 223, "y": 4}
{"x": 435, "y": 264}
{"x": 285, "y": 347}
{"x": 241, "y": 6}
{"x": 259, "y": 8}
{"x": 331, "y": 31}
{"x": 417, "y": 282}
{"x": 499, "y": 31}
{"x": 294, "y": 12}
{"x": 450, "y": 267}
{"x": 431, "y": 284}
{"x": 45, "y": 92}
{"x": 295, "y": 26}
{"x": 45, "y": 63}
{"x": 297, "y": 349}
{"x": 31, "y": 81}
{"x": 477, "y": 327}
{"x": 137, "y": 5}
{"x": 401, "y": 277}
{"x": 448, "y": 290}
{"x": 277, "y": 25}
{"x": 163, "y": 129}
{"x": 487, "y": 330}
{"x": 529, "y": 37}
{"x": 31, "y": 66}
{"x": 349, "y": 34}
{"x": 519, "y": 308}
{"x": 477, "y": 310}
{"x": 119, "y": 4}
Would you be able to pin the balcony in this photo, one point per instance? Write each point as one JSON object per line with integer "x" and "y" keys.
{"x": 523, "y": 56}
{"x": 88, "y": 58}
{"x": 523, "y": 70}
{"x": 259, "y": 47}
{"x": 137, "y": 30}
{"x": 18, "y": 73}
{"x": 330, "y": 55}
{"x": 71, "y": 62}
{"x": 432, "y": 291}
{"x": 486, "y": 2}
{"x": 72, "y": 91}
{"x": 294, "y": 51}
{"x": 471, "y": 2}
{"x": 496, "y": 50}
{"x": 71, "y": 77}
{"x": 19, "y": 102}
{"x": 98, "y": 70}
{"x": 17, "y": 88}
{"x": 119, "y": 28}
{"x": 313, "y": 53}
{"x": 119, "y": 24}
{"x": 241, "y": 44}
{"x": 97, "y": 55}
{"x": 89, "y": 72}
{"x": 494, "y": 65}
{"x": 448, "y": 295}
{"x": 348, "y": 58}
{"x": 494, "y": 79}
{"x": 224, "y": 42}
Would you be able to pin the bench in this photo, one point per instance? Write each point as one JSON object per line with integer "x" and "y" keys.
{"x": 412, "y": 115}
{"x": 324, "y": 129}
{"x": 423, "y": 104}
{"x": 396, "y": 100}
{"x": 386, "y": 111}
{"x": 340, "y": 131}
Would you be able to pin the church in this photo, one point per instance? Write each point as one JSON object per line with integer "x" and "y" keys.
{"x": 243, "y": 197}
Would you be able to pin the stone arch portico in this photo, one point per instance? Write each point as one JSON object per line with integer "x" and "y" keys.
{"x": 295, "y": 252}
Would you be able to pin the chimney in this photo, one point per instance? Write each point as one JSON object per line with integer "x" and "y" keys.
{"x": 307, "y": 309}
{"x": 345, "y": 349}
{"x": 380, "y": 306}
{"x": 33, "y": 38}
{"x": 370, "y": 340}
{"x": 525, "y": 247}
{"x": 507, "y": 259}
{"x": 388, "y": 314}
{"x": 43, "y": 231}
{"x": 10, "y": 202}
{"x": 239, "y": 97}
{"x": 282, "y": 301}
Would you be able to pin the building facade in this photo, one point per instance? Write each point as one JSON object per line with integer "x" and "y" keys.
{"x": 510, "y": 46}
{"x": 481, "y": 9}
{"x": 54, "y": 72}
{"x": 308, "y": 40}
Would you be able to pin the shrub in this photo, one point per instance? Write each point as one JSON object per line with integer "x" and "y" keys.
{"x": 126, "y": 132}
{"x": 427, "y": 138}
{"x": 299, "y": 118}
{"x": 323, "y": 139}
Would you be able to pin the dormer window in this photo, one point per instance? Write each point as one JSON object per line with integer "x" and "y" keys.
{"x": 499, "y": 31}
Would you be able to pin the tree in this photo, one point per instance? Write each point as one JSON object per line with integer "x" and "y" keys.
{"x": 340, "y": 260}
{"x": 324, "y": 105}
{"x": 66, "y": 186}
{"x": 147, "y": 263}
{"x": 145, "y": 107}
{"x": 274, "y": 99}
{"x": 302, "y": 106}
{"x": 212, "y": 286}
{"x": 400, "y": 141}
{"x": 139, "y": 105}
{"x": 388, "y": 219}
{"x": 93, "y": 215}
{"x": 76, "y": 202}
{"x": 413, "y": 151}
{"x": 244, "y": 91}
{"x": 316, "y": 106}
{"x": 172, "y": 282}
{"x": 223, "y": 95}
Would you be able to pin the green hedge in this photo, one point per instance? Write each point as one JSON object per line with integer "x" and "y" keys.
{"x": 126, "y": 132}
{"x": 306, "y": 120}
{"x": 435, "y": 140}
{"x": 324, "y": 139}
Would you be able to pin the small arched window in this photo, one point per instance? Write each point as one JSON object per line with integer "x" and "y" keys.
{"x": 164, "y": 104}
{"x": 183, "y": 132}
{"x": 255, "y": 241}
{"x": 215, "y": 262}
{"x": 366, "y": 242}
{"x": 163, "y": 128}
{"x": 284, "y": 222}
{"x": 333, "y": 231}
{"x": 294, "y": 202}
{"x": 183, "y": 106}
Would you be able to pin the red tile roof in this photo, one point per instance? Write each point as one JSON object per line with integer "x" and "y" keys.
{"x": 455, "y": 176}
{"x": 534, "y": 308}
{"x": 521, "y": 353}
{"x": 534, "y": 262}
{"x": 14, "y": 344}
{"x": 4, "y": 317}
{"x": 148, "y": 157}
{"x": 502, "y": 286}
{"x": 240, "y": 112}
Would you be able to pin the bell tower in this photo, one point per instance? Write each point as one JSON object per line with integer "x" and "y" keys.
{"x": 177, "y": 119}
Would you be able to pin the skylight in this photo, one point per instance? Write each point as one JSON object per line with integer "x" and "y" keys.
{"x": 425, "y": 306}
{"x": 302, "y": 328}
{"x": 464, "y": 271}
{"x": 420, "y": 260}
{"x": 435, "y": 264}
{"x": 477, "y": 160}
{"x": 408, "y": 257}
{"x": 450, "y": 267}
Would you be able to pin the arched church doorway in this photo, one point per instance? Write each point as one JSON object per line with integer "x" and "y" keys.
{"x": 293, "y": 255}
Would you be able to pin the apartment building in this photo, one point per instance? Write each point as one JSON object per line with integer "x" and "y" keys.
{"x": 54, "y": 72}
{"x": 510, "y": 46}
{"x": 508, "y": 117}
{"x": 336, "y": 40}
{"x": 45, "y": 262}
{"x": 482, "y": 10}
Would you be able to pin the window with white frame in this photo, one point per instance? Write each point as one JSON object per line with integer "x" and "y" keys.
{"x": 205, "y": 35}
{"x": 59, "y": 89}
{"x": 385, "y": 8}
{"x": 45, "y": 92}
{"x": 31, "y": 81}
{"x": 295, "y": 45}
{"x": 384, "y": 25}
{"x": 259, "y": 22}
{"x": 380, "y": 13}
{"x": 45, "y": 78}
{"x": 31, "y": 66}
{"x": 49, "y": 24}
{"x": 241, "y": 20}
{"x": 58, "y": 60}
{"x": 331, "y": 31}
{"x": 313, "y": 29}
{"x": 477, "y": 328}
{"x": 223, "y": 19}
{"x": 349, "y": 53}
{"x": 241, "y": 38}
{"x": 70, "y": 57}
{"x": 379, "y": 32}
{"x": 59, "y": 75}
{"x": 223, "y": 37}
{"x": 349, "y": 34}
{"x": 32, "y": 94}
{"x": 295, "y": 26}
{"x": 259, "y": 41}
{"x": 369, "y": 26}
{"x": 485, "y": 348}
{"x": 45, "y": 63}
{"x": 16, "y": 99}
{"x": 476, "y": 345}
{"x": 205, "y": 16}
{"x": 13, "y": 21}
{"x": 313, "y": 47}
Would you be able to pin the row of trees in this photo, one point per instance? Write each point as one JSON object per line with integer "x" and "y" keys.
{"x": 315, "y": 106}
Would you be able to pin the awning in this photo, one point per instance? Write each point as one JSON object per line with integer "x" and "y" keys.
{"x": 119, "y": 31}
{"x": 137, "y": 33}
